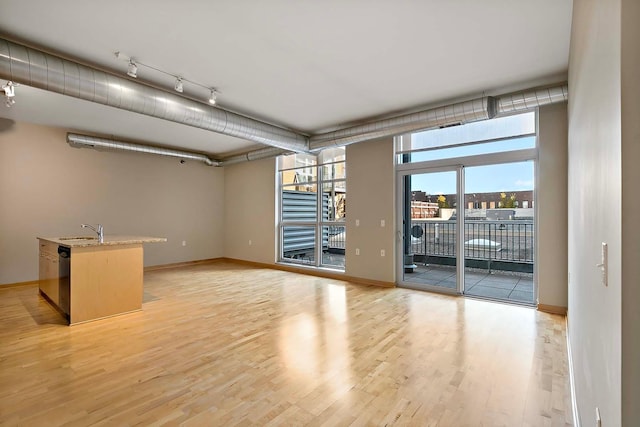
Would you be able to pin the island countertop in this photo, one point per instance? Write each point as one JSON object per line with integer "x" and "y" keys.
{"x": 88, "y": 280}
{"x": 88, "y": 241}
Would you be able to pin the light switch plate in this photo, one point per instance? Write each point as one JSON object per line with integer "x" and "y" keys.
{"x": 605, "y": 264}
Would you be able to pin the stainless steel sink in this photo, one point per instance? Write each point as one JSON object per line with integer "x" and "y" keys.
{"x": 78, "y": 238}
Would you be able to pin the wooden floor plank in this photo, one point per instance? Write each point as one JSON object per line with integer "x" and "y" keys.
{"x": 228, "y": 344}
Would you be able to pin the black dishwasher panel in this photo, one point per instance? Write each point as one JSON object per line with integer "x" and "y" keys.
{"x": 64, "y": 282}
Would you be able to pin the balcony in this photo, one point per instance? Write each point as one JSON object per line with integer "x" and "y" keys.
{"x": 498, "y": 255}
{"x": 506, "y": 245}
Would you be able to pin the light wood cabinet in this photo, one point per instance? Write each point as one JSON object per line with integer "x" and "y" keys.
{"x": 95, "y": 282}
{"x": 105, "y": 281}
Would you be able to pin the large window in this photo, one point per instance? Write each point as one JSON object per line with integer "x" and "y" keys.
{"x": 313, "y": 208}
{"x": 500, "y": 135}
{"x": 466, "y": 209}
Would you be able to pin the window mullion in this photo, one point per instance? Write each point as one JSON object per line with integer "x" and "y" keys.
{"x": 320, "y": 210}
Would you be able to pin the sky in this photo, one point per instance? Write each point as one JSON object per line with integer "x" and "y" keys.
{"x": 478, "y": 179}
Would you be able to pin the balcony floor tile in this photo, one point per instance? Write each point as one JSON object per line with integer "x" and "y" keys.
{"x": 521, "y": 296}
{"x": 488, "y": 292}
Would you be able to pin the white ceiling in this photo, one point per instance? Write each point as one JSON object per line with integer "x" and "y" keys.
{"x": 309, "y": 66}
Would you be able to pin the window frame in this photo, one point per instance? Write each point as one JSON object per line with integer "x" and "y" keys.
{"x": 320, "y": 222}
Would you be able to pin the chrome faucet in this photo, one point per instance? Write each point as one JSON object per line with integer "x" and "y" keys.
{"x": 99, "y": 230}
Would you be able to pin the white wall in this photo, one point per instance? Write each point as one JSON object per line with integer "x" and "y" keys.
{"x": 551, "y": 200}
{"x": 48, "y": 189}
{"x": 595, "y": 208}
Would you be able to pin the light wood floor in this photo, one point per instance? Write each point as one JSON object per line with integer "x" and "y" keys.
{"x": 223, "y": 344}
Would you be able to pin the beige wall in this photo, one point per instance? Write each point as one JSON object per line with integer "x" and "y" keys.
{"x": 48, "y": 188}
{"x": 595, "y": 213}
{"x": 551, "y": 261}
{"x": 630, "y": 263}
{"x": 250, "y": 211}
{"x": 370, "y": 198}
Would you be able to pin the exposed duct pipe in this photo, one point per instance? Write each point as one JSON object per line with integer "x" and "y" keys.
{"x": 263, "y": 153}
{"x": 462, "y": 112}
{"x": 85, "y": 141}
{"x": 35, "y": 68}
{"x": 531, "y": 99}
{"x": 504, "y": 104}
{"x": 26, "y": 65}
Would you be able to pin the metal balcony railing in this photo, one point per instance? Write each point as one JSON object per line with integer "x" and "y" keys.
{"x": 505, "y": 241}
{"x": 336, "y": 237}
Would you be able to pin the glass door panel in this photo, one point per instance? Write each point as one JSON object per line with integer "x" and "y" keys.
{"x": 429, "y": 230}
{"x": 499, "y": 232}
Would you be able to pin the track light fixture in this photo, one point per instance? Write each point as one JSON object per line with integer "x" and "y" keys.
{"x": 9, "y": 89}
{"x": 134, "y": 64}
{"x": 179, "y": 87}
{"x": 132, "y": 70}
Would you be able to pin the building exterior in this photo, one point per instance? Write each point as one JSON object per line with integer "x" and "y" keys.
{"x": 495, "y": 200}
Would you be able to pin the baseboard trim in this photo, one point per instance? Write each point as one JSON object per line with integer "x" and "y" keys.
{"x": 282, "y": 267}
{"x": 552, "y": 309}
{"x": 182, "y": 264}
{"x": 369, "y": 282}
{"x": 150, "y": 268}
{"x": 17, "y": 284}
{"x": 314, "y": 272}
{"x": 572, "y": 383}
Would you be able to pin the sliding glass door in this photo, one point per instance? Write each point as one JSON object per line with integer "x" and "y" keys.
{"x": 429, "y": 230}
{"x": 466, "y": 221}
{"x": 468, "y": 230}
{"x": 499, "y": 232}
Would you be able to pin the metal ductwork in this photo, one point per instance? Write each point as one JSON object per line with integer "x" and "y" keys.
{"x": 505, "y": 104}
{"x": 85, "y": 141}
{"x": 35, "y": 68}
{"x": 462, "y": 112}
{"x": 531, "y": 99}
{"x": 263, "y": 153}
{"x": 22, "y": 64}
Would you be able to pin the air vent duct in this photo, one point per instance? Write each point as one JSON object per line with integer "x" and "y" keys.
{"x": 462, "y": 112}
{"x": 531, "y": 99}
{"x": 480, "y": 109}
{"x": 85, "y": 141}
{"x": 35, "y": 68}
{"x": 263, "y": 153}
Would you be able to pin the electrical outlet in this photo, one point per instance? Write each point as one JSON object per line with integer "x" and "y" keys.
{"x": 357, "y": 223}
{"x": 250, "y": 242}
{"x": 357, "y": 251}
{"x": 382, "y": 252}
{"x": 184, "y": 243}
{"x": 382, "y": 223}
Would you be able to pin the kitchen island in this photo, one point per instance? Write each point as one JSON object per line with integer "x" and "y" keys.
{"x": 86, "y": 279}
